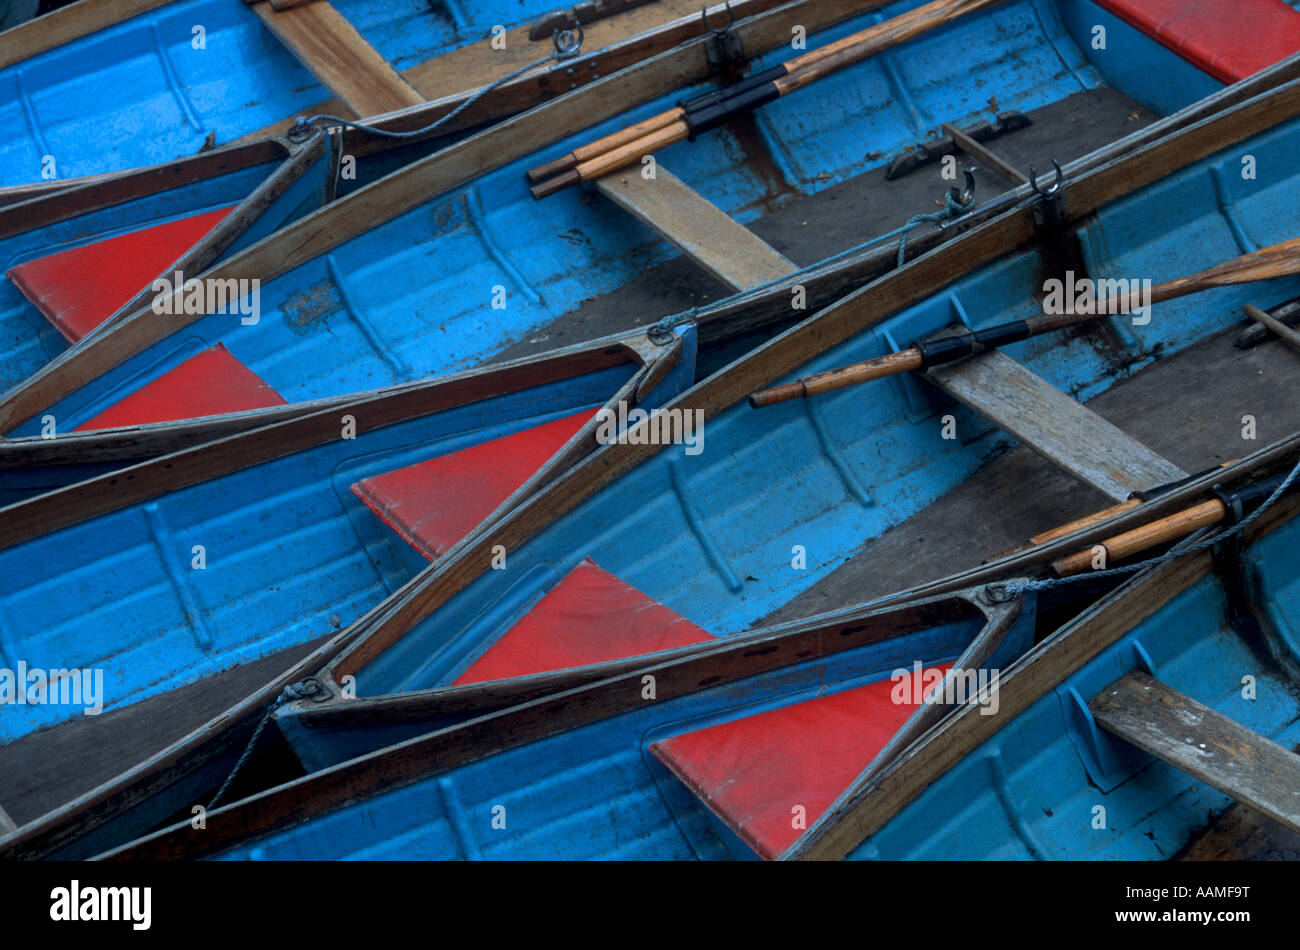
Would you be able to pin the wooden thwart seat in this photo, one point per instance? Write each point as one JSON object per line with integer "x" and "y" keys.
{"x": 1203, "y": 743}
{"x": 1059, "y": 428}
{"x": 330, "y": 47}
{"x": 703, "y": 231}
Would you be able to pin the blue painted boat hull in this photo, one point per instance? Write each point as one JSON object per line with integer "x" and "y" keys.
{"x": 469, "y": 272}
{"x": 289, "y": 553}
{"x": 716, "y": 536}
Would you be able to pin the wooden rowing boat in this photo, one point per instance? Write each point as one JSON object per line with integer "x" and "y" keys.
{"x": 107, "y": 86}
{"x": 606, "y": 738}
{"x": 698, "y": 536}
{"x": 80, "y": 254}
{"x": 1114, "y": 738}
{"x": 449, "y": 262}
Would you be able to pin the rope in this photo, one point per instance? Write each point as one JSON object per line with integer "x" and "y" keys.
{"x": 1179, "y": 550}
{"x": 288, "y": 694}
{"x": 303, "y": 122}
{"x": 953, "y": 208}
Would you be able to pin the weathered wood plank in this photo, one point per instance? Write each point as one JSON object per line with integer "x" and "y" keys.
{"x": 1242, "y": 834}
{"x": 625, "y": 38}
{"x": 1057, "y": 427}
{"x": 703, "y": 231}
{"x": 1204, "y": 743}
{"x": 348, "y": 66}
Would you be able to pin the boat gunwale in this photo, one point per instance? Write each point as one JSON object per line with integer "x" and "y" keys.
{"x": 286, "y": 430}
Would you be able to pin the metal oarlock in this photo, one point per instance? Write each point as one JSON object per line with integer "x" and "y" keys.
{"x": 724, "y": 47}
{"x": 731, "y": 18}
{"x": 965, "y": 196}
{"x": 1057, "y": 185}
{"x": 1050, "y": 211}
{"x": 567, "y": 42}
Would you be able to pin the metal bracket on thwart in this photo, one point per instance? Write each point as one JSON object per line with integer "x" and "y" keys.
{"x": 929, "y": 151}
{"x": 1049, "y": 211}
{"x": 724, "y": 48}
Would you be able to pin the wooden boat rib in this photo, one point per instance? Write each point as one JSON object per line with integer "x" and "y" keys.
{"x": 463, "y": 562}
{"x": 538, "y": 270}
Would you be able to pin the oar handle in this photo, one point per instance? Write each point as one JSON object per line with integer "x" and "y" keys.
{"x": 612, "y": 141}
{"x": 1147, "y": 536}
{"x": 900, "y": 362}
{"x": 609, "y": 162}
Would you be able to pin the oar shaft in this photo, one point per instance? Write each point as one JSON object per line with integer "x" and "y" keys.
{"x": 900, "y": 362}
{"x": 610, "y": 142}
{"x": 1106, "y": 513}
{"x": 1273, "y": 323}
{"x": 821, "y": 62}
{"x": 1279, "y": 260}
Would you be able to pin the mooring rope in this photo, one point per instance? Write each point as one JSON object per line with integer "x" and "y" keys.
{"x": 1181, "y": 549}
{"x": 301, "y": 690}
{"x": 559, "y": 54}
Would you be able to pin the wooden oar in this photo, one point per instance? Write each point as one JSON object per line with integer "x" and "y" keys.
{"x": 1283, "y": 331}
{"x": 1279, "y": 260}
{"x": 689, "y": 119}
{"x": 1097, "y": 517}
{"x": 1232, "y": 502}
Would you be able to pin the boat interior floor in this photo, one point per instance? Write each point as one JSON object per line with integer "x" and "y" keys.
{"x": 809, "y": 228}
{"x": 34, "y": 773}
{"x": 1187, "y": 407}
{"x": 1243, "y": 834}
